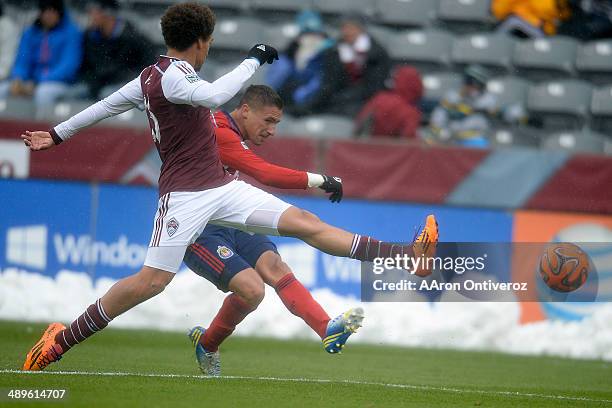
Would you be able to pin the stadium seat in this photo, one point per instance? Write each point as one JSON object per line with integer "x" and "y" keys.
{"x": 286, "y": 127}
{"x": 323, "y": 127}
{"x": 382, "y": 34}
{"x": 425, "y": 49}
{"x": 515, "y": 137}
{"x": 225, "y": 6}
{"x": 235, "y": 36}
{"x": 436, "y": 84}
{"x": 406, "y": 13}
{"x": 338, "y": 8}
{"x": 61, "y": 111}
{"x": 491, "y": 50}
{"x": 465, "y": 15}
{"x": 585, "y": 141}
{"x": 509, "y": 90}
{"x": 540, "y": 57}
{"x": 601, "y": 109}
{"x": 593, "y": 61}
{"x": 17, "y": 108}
{"x": 150, "y": 27}
{"x": 280, "y": 5}
{"x": 560, "y": 104}
{"x": 281, "y": 34}
{"x": 608, "y": 146}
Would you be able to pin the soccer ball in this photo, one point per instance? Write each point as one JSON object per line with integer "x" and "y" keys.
{"x": 564, "y": 267}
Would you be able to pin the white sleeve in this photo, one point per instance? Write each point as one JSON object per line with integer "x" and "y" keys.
{"x": 126, "y": 98}
{"x": 183, "y": 86}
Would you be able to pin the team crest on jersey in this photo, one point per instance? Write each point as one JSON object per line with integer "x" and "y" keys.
{"x": 172, "y": 226}
{"x": 224, "y": 252}
{"x": 192, "y": 78}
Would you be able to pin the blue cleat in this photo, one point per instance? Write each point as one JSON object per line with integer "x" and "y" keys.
{"x": 208, "y": 361}
{"x": 340, "y": 329}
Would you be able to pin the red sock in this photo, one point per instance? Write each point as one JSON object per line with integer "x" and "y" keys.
{"x": 300, "y": 302}
{"x": 232, "y": 312}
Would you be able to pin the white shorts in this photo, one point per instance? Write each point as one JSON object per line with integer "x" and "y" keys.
{"x": 182, "y": 216}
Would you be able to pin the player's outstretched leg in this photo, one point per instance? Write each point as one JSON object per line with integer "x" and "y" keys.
{"x": 298, "y": 223}
{"x": 122, "y": 296}
{"x": 208, "y": 361}
{"x": 340, "y": 329}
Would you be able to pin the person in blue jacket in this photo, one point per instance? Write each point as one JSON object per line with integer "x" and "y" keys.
{"x": 298, "y": 76}
{"x": 48, "y": 57}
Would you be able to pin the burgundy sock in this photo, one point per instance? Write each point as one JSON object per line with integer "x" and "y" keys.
{"x": 232, "y": 312}
{"x": 365, "y": 248}
{"x": 300, "y": 302}
{"x": 91, "y": 321}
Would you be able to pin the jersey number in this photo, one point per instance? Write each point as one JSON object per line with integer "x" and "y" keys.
{"x": 155, "y": 127}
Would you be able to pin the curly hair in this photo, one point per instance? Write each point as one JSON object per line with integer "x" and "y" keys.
{"x": 184, "y": 23}
{"x": 258, "y": 96}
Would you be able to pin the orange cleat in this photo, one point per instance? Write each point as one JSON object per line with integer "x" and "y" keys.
{"x": 425, "y": 244}
{"x": 45, "y": 351}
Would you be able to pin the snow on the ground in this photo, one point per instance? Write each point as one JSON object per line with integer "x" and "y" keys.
{"x": 191, "y": 300}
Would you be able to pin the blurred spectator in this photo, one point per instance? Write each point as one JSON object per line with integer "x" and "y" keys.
{"x": 298, "y": 75}
{"x": 464, "y": 114}
{"x": 530, "y": 18}
{"x": 364, "y": 66}
{"x": 48, "y": 58}
{"x": 591, "y": 19}
{"x": 353, "y": 71}
{"x": 9, "y": 33}
{"x": 394, "y": 112}
{"x": 114, "y": 52}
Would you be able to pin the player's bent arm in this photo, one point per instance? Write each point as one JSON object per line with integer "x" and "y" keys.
{"x": 181, "y": 85}
{"x": 237, "y": 155}
{"x": 126, "y": 98}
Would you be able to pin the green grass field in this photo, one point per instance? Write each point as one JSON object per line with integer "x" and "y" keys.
{"x": 137, "y": 368}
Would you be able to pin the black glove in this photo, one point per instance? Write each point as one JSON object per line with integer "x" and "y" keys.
{"x": 263, "y": 53}
{"x": 332, "y": 185}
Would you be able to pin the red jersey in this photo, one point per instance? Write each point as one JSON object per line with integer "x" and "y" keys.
{"x": 236, "y": 156}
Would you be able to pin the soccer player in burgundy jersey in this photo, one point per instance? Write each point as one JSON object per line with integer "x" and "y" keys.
{"x": 193, "y": 185}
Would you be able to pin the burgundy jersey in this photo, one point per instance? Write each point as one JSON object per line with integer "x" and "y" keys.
{"x": 183, "y": 133}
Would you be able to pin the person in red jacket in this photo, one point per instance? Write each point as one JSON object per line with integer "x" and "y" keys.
{"x": 393, "y": 112}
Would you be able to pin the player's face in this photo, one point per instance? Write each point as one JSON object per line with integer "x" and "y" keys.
{"x": 260, "y": 123}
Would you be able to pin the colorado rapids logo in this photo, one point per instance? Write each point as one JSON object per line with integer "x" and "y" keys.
{"x": 172, "y": 226}
{"x": 224, "y": 252}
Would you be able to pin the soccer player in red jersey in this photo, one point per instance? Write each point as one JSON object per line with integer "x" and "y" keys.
{"x": 194, "y": 187}
{"x": 242, "y": 263}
